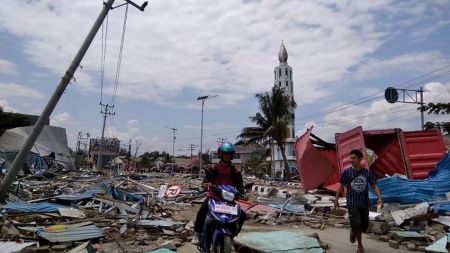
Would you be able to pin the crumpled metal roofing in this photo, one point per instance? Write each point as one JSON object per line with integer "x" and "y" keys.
{"x": 25, "y": 207}
{"x": 72, "y": 234}
{"x": 406, "y": 191}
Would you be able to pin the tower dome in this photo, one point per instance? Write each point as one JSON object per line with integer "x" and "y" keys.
{"x": 282, "y": 54}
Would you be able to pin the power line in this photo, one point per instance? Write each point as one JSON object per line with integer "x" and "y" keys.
{"x": 191, "y": 148}
{"x": 103, "y": 55}
{"x": 343, "y": 121}
{"x": 74, "y": 111}
{"x": 119, "y": 61}
{"x": 105, "y": 111}
{"x": 379, "y": 95}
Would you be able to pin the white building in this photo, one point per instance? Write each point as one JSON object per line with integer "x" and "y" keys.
{"x": 283, "y": 79}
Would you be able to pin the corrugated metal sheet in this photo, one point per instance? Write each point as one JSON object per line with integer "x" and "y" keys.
{"x": 72, "y": 234}
{"x": 314, "y": 170}
{"x": 330, "y": 155}
{"x": 257, "y": 208}
{"x": 407, "y": 191}
{"x": 346, "y": 142}
{"x": 423, "y": 150}
{"x": 25, "y": 207}
{"x": 413, "y": 154}
{"x": 387, "y": 147}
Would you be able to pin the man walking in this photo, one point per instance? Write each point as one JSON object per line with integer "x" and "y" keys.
{"x": 357, "y": 179}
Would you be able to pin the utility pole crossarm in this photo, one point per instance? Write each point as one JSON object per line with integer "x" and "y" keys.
{"x": 406, "y": 96}
{"x": 105, "y": 111}
{"x": 54, "y": 99}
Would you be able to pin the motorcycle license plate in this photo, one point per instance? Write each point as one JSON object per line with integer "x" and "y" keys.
{"x": 226, "y": 209}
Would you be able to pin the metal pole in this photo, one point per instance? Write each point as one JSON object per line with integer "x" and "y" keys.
{"x": 173, "y": 144}
{"x": 421, "y": 111}
{"x": 201, "y": 142}
{"x": 100, "y": 156}
{"x": 17, "y": 164}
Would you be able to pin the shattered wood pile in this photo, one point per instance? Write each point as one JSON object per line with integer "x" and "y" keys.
{"x": 89, "y": 212}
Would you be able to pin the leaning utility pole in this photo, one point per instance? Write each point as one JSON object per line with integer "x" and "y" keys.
{"x": 105, "y": 111}
{"x": 17, "y": 163}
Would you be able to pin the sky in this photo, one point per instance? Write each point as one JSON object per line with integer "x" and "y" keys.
{"x": 344, "y": 54}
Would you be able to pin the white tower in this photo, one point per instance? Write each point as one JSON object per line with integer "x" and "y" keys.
{"x": 283, "y": 79}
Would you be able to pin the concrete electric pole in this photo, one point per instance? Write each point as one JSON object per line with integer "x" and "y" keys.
{"x": 17, "y": 163}
{"x": 191, "y": 148}
{"x": 173, "y": 142}
{"x": 105, "y": 111}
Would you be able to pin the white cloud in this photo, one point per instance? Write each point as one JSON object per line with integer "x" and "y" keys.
{"x": 423, "y": 32}
{"x": 134, "y": 133}
{"x": 7, "y": 67}
{"x": 379, "y": 114}
{"x": 61, "y": 119}
{"x": 416, "y": 62}
{"x": 7, "y": 107}
{"x": 227, "y": 47}
{"x": 18, "y": 90}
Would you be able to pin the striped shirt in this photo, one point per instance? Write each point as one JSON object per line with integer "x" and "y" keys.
{"x": 357, "y": 182}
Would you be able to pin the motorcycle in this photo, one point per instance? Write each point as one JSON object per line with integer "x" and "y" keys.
{"x": 221, "y": 224}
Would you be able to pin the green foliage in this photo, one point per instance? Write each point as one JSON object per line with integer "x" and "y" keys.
{"x": 439, "y": 108}
{"x": 256, "y": 166}
{"x": 443, "y": 126}
{"x": 276, "y": 111}
{"x": 148, "y": 158}
{"x": 206, "y": 157}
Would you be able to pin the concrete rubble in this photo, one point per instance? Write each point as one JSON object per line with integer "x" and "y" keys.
{"x": 91, "y": 211}
{"x": 96, "y": 212}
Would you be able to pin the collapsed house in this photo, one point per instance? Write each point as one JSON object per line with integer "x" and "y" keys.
{"x": 50, "y": 149}
{"x": 392, "y": 151}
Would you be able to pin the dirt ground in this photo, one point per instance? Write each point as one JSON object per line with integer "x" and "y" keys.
{"x": 337, "y": 239}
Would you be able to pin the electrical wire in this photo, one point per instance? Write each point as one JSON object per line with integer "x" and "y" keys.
{"x": 377, "y": 95}
{"x": 103, "y": 56}
{"x": 119, "y": 61}
{"x": 72, "y": 108}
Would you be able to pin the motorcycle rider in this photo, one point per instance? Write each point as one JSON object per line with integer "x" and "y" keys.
{"x": 222, "y": 173}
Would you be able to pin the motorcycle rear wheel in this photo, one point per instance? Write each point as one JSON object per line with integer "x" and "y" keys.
{"x": 225, "y": 245}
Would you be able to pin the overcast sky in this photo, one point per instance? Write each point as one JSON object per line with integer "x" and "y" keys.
{"x": 342, "y": 53}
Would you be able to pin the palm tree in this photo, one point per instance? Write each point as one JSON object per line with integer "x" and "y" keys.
{"x": 276, "y": 111}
